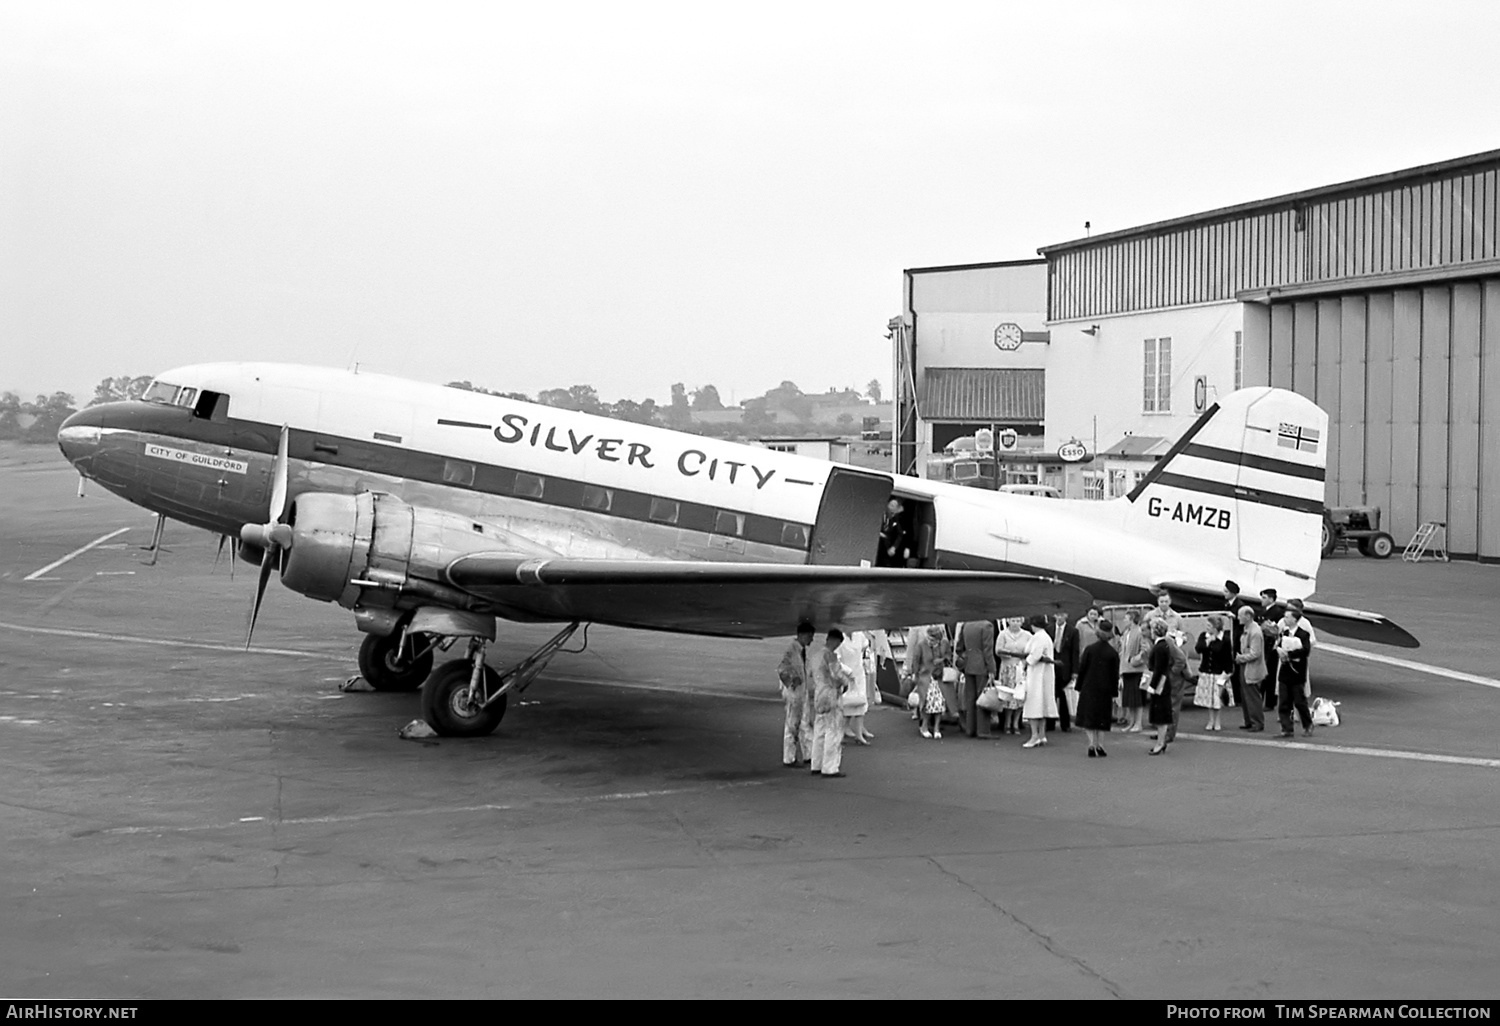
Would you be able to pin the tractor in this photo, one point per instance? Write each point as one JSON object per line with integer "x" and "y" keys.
{"x": 1360, "y": 524}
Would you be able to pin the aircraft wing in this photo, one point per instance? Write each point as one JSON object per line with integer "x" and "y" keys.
{"x": 747, "y": 600}
{"x": 1346, "y": 623}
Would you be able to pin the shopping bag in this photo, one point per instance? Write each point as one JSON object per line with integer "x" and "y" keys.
{"x": 989, "y": 699}
{"x": 1071, "y": 694}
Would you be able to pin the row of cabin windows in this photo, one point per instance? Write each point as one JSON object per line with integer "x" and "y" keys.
{"x": 602, "y": 500}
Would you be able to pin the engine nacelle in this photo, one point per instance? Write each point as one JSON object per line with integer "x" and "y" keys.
{"x": 395, "y": 548}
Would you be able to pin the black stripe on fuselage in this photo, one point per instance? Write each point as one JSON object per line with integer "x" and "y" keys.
{"x": 1234, "y": 491}
{"x": 432, "y": 468}
{"x": 1254, "y": 462}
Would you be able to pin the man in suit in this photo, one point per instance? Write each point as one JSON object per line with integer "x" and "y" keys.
{"x": 1271, "y": 612}
{"x": 974, "y": 654}
{"x": 1064, "y": 667}
{"x": 1250, "y": 659}
{"x": 794, "y": 674}
{"x": 1292, "y": 650}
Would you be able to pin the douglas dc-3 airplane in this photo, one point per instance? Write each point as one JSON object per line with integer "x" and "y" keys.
{"x": 430, "y": 511}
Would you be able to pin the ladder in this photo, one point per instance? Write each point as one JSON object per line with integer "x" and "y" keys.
{"x": 1430, "y": 542}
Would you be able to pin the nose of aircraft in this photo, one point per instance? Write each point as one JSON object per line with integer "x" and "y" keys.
{"x": 78, "y": 438}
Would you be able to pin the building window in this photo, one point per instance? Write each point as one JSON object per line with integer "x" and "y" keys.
{"x": 1157, "y": 394}
{"x": 1239, "y": 360}
{"x": 1093, "y": 484}
{"x": 528, "y": 486}
{"x": 597, "y": 498}
{"x": 1119, "y": 483}
{"x": 729, "y": 523}
{"x": 794, "y": 535}
{"x": 664, "y": 511}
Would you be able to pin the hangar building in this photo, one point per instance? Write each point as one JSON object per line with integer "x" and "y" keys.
{"x": 1378, "y": 298}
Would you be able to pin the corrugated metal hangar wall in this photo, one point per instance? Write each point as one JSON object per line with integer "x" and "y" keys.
{"x": 1410, "y": 378}
{"x": 1379, "y": 299}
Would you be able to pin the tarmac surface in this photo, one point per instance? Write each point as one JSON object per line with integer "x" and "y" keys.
{"x": 183, "y": 819}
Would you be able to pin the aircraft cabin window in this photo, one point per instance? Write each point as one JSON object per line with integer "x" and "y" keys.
{"x": 664, "y": 511}
{"x": 457, "y": 472}
{"x": 528, "y": 486}
{"x": 729, "y": 523}
{"x": 794, "y": 535}
{"x": 597, "y": 498}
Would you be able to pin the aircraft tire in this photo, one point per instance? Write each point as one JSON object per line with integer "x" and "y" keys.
{"x": 445, "y": 714}
{"x": 1330, "y": 536}
{"x": 378, "y": 665}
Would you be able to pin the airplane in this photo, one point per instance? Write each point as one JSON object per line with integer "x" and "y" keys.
{"x": 430, "y": 511}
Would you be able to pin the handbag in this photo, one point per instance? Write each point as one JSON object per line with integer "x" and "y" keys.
{"x": 1325, "y": 713}
{"x": 1071, "y": 694}
{"x": 990, "y": 699}
{"x": 850, "y": 702}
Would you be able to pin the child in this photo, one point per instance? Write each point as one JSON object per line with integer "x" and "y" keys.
{"x": 933, "y": 708}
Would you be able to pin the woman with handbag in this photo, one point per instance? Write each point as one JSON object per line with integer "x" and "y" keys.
{"x": 1010, "y": 673}
{"x": 1213, "y": 671}
{"x": 1135, "y": 647}
{"x": 1098, "y": 680}
{"x": 1041, "y": 695}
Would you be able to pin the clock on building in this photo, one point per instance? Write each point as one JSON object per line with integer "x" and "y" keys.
{"x": 1008, "y": 337}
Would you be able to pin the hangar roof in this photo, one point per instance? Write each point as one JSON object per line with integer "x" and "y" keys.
{"x": 1287, "y": 201}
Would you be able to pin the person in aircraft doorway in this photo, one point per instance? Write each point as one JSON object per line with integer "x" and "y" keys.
{"x": 796, "y": 737}
{"x": 895, "y": 548}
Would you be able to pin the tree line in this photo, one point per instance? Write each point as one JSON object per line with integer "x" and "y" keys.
{"x": 38, "y": 420}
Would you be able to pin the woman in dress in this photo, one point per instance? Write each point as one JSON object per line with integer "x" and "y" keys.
{"x": 1135, "y": 646}
{"x": 1098, "y": 680}
{"x": 1168, "y": 669}
{"x": 1010, "y": 646}
{"x": 855, "y": 702}
{"x": 1213, "y": 671}
{"x": 1041, "y": 698}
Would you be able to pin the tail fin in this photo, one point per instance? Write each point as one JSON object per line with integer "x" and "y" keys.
{"x": 1244, "y": 482}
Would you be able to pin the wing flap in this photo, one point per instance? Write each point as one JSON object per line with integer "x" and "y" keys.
{"x": 750, "y": 600}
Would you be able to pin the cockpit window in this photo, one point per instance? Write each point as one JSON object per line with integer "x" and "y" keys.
{"x": 172, "y": 395}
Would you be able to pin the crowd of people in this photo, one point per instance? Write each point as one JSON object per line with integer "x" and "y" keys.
{"x": 997, "y": 675}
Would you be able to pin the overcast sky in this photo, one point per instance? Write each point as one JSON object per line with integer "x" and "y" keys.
{"x": 630, "y": 194}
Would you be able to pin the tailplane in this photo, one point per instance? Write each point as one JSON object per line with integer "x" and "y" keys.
{"x": 1244, "y": 482}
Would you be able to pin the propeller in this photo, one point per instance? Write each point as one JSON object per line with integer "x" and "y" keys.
{"x": 273, "y": 537}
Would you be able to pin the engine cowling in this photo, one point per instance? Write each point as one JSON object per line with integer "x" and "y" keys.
{"x": 393, "y": 547}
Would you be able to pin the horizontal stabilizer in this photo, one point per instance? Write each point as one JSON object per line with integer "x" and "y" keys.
{"x": 1357, "y": 624}
{"x": 749, "y": 600}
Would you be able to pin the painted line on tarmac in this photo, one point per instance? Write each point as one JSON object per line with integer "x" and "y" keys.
{"x": 685, "y": 689}
{"x": 1411, "y": 664}
{"x": 1379, "y": 753}
{"x": 431, "y": 810}
{"x": 167, "y": 642}
{"x": 74, "y": 554}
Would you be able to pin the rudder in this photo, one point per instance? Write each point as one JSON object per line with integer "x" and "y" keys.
{"x": 1244, "y": 482}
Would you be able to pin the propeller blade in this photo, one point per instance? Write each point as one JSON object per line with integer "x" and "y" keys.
{"x": 260, "y": 593}
{"x": 278, "y": 477}
{"x": 220, "y": 554}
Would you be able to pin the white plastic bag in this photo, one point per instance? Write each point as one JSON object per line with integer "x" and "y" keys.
{"x": 1325, "y": 713}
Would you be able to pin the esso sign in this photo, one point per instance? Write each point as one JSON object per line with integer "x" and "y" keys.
{"x": 1071, "y": 452}
{"x": 1007, "y": 439}
{"x": 984, "y": 440}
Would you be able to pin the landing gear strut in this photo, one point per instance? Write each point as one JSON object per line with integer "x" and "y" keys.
{"x": 466, "y": 698}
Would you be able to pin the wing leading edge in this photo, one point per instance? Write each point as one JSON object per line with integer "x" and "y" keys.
{"x": 750, "y": 600}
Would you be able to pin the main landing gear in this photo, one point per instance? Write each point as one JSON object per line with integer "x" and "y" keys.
{"x": 466, "y": 698}
{"x": 399, "y": 661}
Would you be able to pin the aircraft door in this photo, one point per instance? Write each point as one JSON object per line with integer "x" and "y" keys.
{"x": 847, "y": 531}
